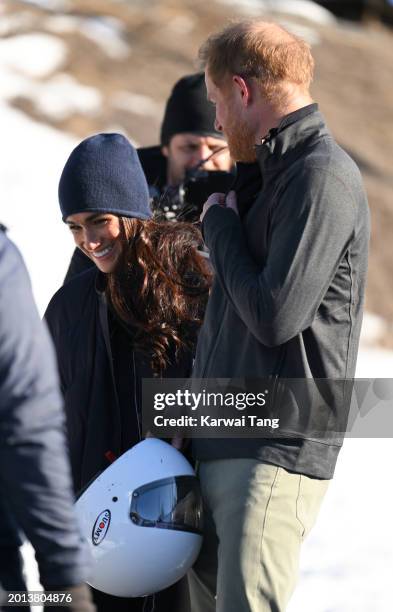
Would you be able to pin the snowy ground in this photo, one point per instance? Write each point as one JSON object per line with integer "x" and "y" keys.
{"x": 347, "y": 561}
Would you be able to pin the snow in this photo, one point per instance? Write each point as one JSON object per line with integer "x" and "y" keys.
{"x": 308, "y": 34}
{"x": 50, "y": 5}
{"x": 33, "y": 156}
{"x": 299, "y": 8}
{"x": 24, "y": 71}
{"x": 62, "y": 24}
{"x": 374, "y": 329}
{"x": 10, "y": 23}
{"x": 346, "y": 561}
{"x": 62, "y": 96}
{"x": 33, "y": 55}
{"x": 108, "y": 33}
{"x": 136, "y": 103}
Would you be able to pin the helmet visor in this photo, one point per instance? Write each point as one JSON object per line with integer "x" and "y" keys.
{"x": 171, "y": 503}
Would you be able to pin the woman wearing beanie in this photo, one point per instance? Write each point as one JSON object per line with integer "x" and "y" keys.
{"x": 134, "y": 315}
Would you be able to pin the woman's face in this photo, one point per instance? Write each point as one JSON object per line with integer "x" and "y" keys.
{"x": 99, "y": 236}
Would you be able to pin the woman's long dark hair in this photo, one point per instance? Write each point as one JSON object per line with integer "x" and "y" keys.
{"x": 160, "y": 287}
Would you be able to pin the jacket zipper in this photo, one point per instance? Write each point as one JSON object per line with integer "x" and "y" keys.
{"x": 135, "y": 398}
{"x": 277, "y": 373}
{"x": 103, "y": 316}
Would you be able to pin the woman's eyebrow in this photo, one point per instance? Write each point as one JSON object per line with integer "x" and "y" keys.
{"x": 89, "y": 218}
{"x": 94, "y": 216}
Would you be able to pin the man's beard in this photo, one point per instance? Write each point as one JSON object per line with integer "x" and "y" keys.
{"x": 241, "y": 142}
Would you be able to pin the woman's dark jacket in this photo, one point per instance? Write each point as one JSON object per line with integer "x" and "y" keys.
{"x": 99, "y": 410}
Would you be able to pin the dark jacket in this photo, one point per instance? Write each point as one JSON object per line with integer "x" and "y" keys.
{"x": 101, "y": 377}
{"x": 35, "y": 477}
{"x": 98, "y": 408}
{"x": 289, "y": 287}
{"x": 154, "y": 165}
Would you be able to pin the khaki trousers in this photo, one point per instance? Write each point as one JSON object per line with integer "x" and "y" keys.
{"x": 256, "y": 517}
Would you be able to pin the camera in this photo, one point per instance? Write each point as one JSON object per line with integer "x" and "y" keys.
{"x": 184, "y": 202}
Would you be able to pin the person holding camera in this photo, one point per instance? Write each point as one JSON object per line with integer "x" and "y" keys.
{"x": 191, "y": 162}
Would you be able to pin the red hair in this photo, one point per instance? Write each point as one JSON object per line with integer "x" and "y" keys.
{"x": 262, "y": 50}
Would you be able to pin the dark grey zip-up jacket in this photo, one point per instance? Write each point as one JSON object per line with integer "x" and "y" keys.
{"x": 289, "y": 287}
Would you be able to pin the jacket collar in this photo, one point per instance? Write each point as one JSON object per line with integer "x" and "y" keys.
{"x": 285, "y": 142}
{"x": 100, "y": 283}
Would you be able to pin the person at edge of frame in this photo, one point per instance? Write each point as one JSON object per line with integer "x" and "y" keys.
{"x": 286, "y": 303}
{"x": 134, "y": 315}
{"x": 190, "y": 145}
{"x": 35, "y": 480}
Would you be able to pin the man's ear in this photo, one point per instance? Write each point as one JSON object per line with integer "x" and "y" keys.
{"x": 243, "y": 89}
{"x": 165, "y": 151}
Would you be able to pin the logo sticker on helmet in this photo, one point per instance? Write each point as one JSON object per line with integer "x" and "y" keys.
{"x": 101, "y": 527}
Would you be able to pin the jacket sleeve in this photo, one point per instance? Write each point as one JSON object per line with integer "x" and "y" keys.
{"x": 311, "y": 227}
{"x": 34, "y": 470}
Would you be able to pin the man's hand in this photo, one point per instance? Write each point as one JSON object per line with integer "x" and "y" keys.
{"x": 220, "y": 199}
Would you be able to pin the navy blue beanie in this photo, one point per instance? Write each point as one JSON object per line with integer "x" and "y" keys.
{"x": 103, "y": 174}
{"x": 188, "y": 110}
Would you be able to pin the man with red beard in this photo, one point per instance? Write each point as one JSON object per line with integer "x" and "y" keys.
{"x": 286, "y": 304}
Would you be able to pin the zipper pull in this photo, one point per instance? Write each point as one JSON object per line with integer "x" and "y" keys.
{"x": 110, "y": 456}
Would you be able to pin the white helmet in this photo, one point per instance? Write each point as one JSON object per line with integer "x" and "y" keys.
{"x": 142, "y": 518}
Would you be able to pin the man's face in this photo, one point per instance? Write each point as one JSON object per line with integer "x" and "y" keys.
{"x": 187, "y": 150}
{"x": 231, "y": 120}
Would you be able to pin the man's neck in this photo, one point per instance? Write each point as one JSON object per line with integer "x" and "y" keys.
{"x": 272, "y": 116}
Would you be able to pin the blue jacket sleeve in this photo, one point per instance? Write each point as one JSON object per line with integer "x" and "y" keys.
{"x": 34, "y": 471}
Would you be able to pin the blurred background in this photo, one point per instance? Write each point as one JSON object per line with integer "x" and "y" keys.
{"x": 69, "y": 68}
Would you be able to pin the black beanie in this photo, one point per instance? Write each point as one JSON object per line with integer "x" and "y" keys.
{"x": 103, "y": 174}
{"x": 188, "y": 110}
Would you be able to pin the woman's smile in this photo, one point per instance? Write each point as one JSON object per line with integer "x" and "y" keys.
{"x": 99, "y": 236}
